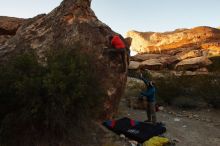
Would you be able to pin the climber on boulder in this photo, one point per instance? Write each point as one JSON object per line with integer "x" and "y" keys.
{"x": 118, "y": 46}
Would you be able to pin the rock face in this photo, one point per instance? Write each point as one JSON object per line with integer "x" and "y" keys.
{"x": 134, "y": 65}
{"x": 188, "y": 54}
{"x": 143, "y": 57}
{"x": 152, "y": 64}
{"x": 181, "y": 50}
{"x": 193, "y": 63}
{"x": 181, "y": 38}
{"x": 211, "y": 48}
{"x": 9, "y": 27}
{"x": 187, "y": 60}
{"x": 72, "y": 24}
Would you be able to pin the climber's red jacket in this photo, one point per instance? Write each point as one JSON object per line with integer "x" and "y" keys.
{"x": 117, "y": 43}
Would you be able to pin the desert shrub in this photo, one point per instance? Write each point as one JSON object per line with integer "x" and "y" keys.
{"x": 45, "y": 104}
{"x": 183, "y": 91}
{"x": 167, "y": 88}
{"x": 208, "y": 88}
{"x": 186, "y": 102}
{"x": 215, "y": 66}
{"x": 193, "y": 88}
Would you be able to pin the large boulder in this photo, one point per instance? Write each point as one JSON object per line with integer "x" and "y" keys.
{"x": 152, "y": 64}
{"x": 188, "y": 54}
{"x": 153, "y": 61}
{"x": 9, "y": 27}
{"x": 74, "y": 25}
{"x": 143, "y": 57}
{"x": 200, "y": 71}
{"x": 134, "y": 65}
{"x": 193, "y": 63}
{"x": 182, "y": 38}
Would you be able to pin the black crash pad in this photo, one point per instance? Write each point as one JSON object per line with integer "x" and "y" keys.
{"x": 136, "y": 130}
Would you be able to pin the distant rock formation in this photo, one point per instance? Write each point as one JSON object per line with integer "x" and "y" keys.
{"x": 191, "y": 60}
{"x": 70, "y": 24}
{"x": 181, "y": 50}
{"x": 199, "y": 37}
{"x": 193, "y": 63}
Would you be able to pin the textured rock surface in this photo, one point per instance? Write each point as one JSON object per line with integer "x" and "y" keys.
{"x": 4, "y": 38}
{"x": 143, "y": 57}
{"x": 177, "y": 50}
{"x": 134, "y": 65}
{"x": 193, "y": 63}
{"x": 211, "y": 48}
{"x": 181, "y": 38}
{"x": 9, "y": 27}
{"x": 188, "y": 54}
{"x": 152, "y": 64}
{"x": 72, "y": 24}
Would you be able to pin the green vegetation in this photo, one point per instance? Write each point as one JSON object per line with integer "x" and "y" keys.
{"x": 47, "y": 104}
{"x": 215, "y": 66}
{"x": 189, "y": 91}
{"x": 182, "y": 91}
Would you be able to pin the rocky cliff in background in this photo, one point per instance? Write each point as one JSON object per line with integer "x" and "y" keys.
{"x": 72, "y": 24}
{"x": 182, "y": 49}
{"x": 199, "y": 37}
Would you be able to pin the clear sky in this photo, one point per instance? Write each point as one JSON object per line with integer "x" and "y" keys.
{"x": 124, "y": 15}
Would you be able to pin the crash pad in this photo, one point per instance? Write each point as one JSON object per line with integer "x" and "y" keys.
{"x": 134, "y": 129}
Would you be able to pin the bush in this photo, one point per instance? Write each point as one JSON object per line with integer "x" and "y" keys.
{"x": 187, "y": 102}
{"x": 215, "y": 66}
{"x": 47, "y": 104}
{"x": 194, "y": 88}
{"x": 183, "y": 91}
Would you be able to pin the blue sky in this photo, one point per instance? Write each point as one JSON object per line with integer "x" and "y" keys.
{"x": 125, "y": 15}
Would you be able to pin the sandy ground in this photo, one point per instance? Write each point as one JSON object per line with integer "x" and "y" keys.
{"x": 188, "y": 128}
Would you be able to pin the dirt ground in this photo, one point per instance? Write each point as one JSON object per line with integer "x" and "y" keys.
{"x": 187, "y": 128}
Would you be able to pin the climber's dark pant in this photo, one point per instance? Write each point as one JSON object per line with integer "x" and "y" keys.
{"x": 151, "y": 112}
{"x": 113, "y": 51}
